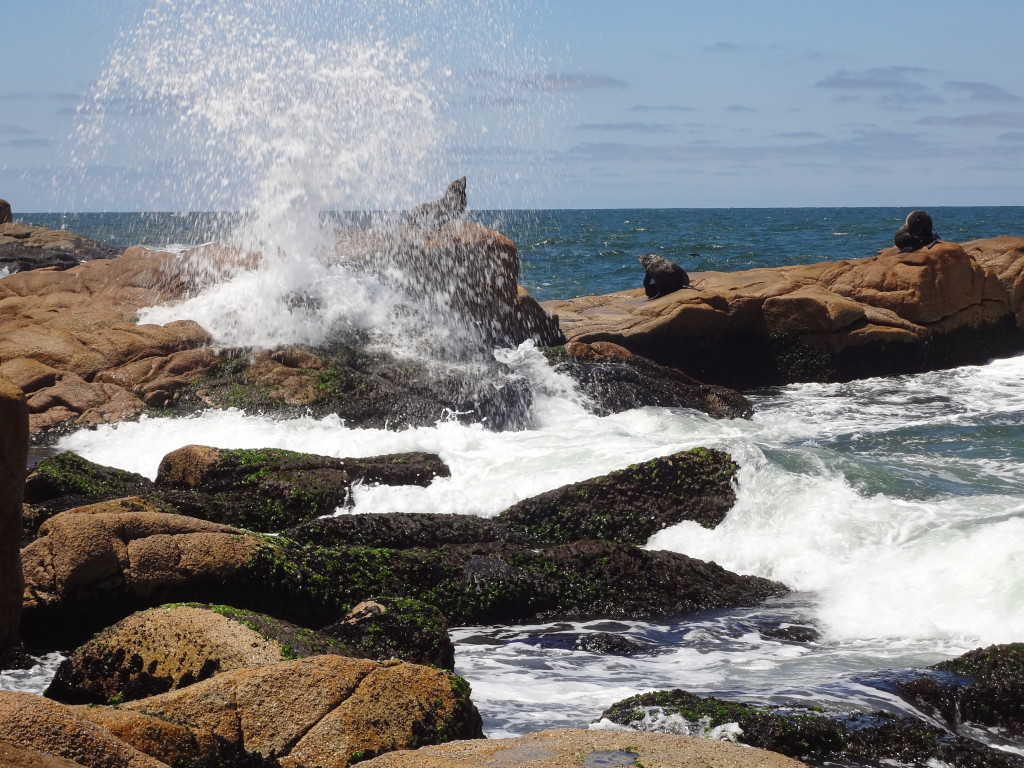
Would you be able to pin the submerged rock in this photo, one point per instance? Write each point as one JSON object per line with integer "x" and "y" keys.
{"x": 866, "y": 738}
{"x": 615, "y": 380}
{"x": 984, "y": 687}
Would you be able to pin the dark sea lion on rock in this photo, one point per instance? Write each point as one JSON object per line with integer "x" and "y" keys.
{"x": 915, "y": 233}
{"x": 663, "y": 276}
{"x": 434, "y": 215}
{"x": 6, "y": 217}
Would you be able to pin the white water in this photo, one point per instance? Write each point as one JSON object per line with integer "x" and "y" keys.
{"x": 901, "y": 537}
{"x": 282, "y": 111}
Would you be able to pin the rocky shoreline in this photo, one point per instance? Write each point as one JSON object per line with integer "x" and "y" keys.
{"x": 238, "y": 626}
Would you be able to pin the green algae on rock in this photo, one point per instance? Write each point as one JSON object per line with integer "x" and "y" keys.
{"x": 631, "y": 504}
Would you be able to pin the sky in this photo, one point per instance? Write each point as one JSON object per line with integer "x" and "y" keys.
{"x": 556, "y": 104}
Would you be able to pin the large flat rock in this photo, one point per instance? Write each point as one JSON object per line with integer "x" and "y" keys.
{"x": 937, "y": 307}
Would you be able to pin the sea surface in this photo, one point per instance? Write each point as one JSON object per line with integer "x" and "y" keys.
{"x": 893, "y": 507}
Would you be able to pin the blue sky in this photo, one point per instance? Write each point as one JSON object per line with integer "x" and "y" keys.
{"x": 602, "y": 104}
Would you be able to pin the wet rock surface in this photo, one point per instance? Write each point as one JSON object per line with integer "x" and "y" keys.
{"x": 615, "y": 380}
{"x": 24, "y": 247}
{"x": 13, "y": 453}
{"x": 819, "y": 739}
{"x": 632, "y": 504}
{"x": 983, "y": 688}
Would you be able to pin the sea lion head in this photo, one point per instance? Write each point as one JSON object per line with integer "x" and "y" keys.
{"x": 919, "y": 223}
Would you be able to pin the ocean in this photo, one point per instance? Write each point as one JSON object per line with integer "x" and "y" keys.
{"x": 892, "y": 507}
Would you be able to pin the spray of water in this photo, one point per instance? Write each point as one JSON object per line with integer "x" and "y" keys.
{"x": 279, "y": 111}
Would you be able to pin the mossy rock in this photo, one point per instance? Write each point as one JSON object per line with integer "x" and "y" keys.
{"x": 984, "y": 687}
{"x": 496, "y": 582}
{"x": 401, "y": 530}
{"x": 270, "y": 489}
{"x": 396, "y": 628}
{"x": 367, "y": 389}
{"x": 861, "y": 739}
{"x": 631, "y": 504}
{"x": 176, "y": 645}
{"x": 62, "y": 482}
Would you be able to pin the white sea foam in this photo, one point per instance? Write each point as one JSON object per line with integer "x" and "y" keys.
{"x": 892, "y": 573}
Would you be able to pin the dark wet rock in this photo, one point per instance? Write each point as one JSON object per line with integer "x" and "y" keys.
{"x": 24, "y": 247}
{"x": 631, "y": 504}
{"x": 366, "y": 389}
{"x": 396, "y": 628}
{"x": 859, "y": 739}
{"x": 87, "y": 570}
{"x": 259, "y": 489}
{"x": 610, "y": 644}
{"x": 615, "y": 380}
{"x": 790, "y": 632}
{"x": 984, "y": 687}
{"x": 497, "y": 582}
{"x": 71, "y": 341}
{"x": 13, "y": 453}
{"x": 269, "y": 489}
{"x": 173, "y": 646}
{"x": 65, "y": 481}
{"x": 398, "y": 530}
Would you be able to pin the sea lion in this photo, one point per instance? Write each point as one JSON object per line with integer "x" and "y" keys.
{"x": 433, "y": 215}
{"x": 915, "y": 233}
{"x": 6, "y": 217}
{"x": 663, "y": 276}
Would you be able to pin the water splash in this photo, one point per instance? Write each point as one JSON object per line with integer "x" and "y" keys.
{"x": 278, "y": 111}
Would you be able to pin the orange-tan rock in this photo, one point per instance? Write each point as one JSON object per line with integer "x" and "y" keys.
{"x": 107, "y": 558}
{"x": 14, "y": 756}
{"x": 572, "y": 748}
{"x": 322, "y": 711}
{"x": 69, "y": 338}
{"x": 173, "y": 646}
{"x": 32, "y": 722}
{"x": 170, "y": 743}
{"x": 891, "y": 313}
